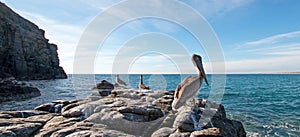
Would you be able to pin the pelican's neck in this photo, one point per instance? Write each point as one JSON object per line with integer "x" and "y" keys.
{"x": 200, "y": 74}
{"x": 141, "y": 79}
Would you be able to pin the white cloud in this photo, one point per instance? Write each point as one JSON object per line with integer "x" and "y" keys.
{"x": 216, "y": 8}
{"x": 270, "y": 65}
{"x": 273, "y": 39}
{"x": 100, "y": 4}
{"x": 287, "y": 44}
{"x": 278, "y": 53}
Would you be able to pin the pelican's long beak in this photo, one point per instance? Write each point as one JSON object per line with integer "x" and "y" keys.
{"x": 197, "y": 61}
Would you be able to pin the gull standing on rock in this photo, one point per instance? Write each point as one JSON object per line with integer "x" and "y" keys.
{"x": 142, "y": 86}
{"x": 119, "y": 81}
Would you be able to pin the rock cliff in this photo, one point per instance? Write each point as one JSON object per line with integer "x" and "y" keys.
{"x": 25, "y": 53}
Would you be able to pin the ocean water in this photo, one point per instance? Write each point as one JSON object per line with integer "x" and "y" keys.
{"x": 266, "y": 104}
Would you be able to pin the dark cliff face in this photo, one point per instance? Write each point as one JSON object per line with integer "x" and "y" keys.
{"x": 24, "y": 51}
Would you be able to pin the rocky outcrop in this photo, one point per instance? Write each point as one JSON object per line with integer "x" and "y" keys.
{"x": 208, "y": 115}
{"x": 104, "y": 88}
{"x": 17, "y": 91}
{"x": 125, "y": 112}
{"x": 24, "y": 51}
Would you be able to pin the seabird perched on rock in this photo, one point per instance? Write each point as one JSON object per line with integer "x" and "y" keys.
{"x": 142, "y": 86}
{"x": 190, "y": 86}
{"x": 119, "y": 81}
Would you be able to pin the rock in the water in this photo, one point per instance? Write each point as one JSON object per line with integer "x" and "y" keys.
{"x": 10, "y": 91}
{"x": 207, "y": 114}
{"x": 25, "y": 53}
{"x": 104, "y": 88}
{"x": 104, "y": 85}
{"x": 229, "y": 128}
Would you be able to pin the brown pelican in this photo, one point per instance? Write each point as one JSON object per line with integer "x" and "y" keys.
{"x": 190, "y": 86}
{"x": 119, "y": 81}
{"x": 142, "y": 86}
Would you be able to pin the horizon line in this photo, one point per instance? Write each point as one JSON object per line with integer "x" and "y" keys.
{"x": 181, "y": 73}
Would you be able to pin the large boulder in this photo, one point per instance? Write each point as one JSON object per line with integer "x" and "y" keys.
{"x": 209, "y": 118}
{"x": 229, "y": 128}
{"x": 104, "y": 88}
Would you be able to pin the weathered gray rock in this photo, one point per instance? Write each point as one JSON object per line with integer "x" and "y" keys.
{"x": 64, "y": 102}
{"x": 141, "y": 114}
{"x": 184, "y": 121}
{"x": 104, "y": 88}
{"x": 39, "y": 118}
{"x": 229, "y": 128}
{"x": 48, "y": 107}
{"x": 23, "y": 114}
{"x": 55, "y": 107}
{"x": 6, "y": 116}
{"x": 10, "y": 90}
{"x": 210, "y": 132}
{"x": 21, "y": 130}
{"x": 164, "y": 103}
{"x": 129, "y": 112}
{"x": 211, "y": 105}
{"x": 7, "y": 122}
{"x": 180, "y": 134}
{"x": 207, "y": 114}
{"x": 163, "y": 132}
{"x": 68, "y": 107}
{"x": 73, "y": 113}
{"x": 25, "y": 53}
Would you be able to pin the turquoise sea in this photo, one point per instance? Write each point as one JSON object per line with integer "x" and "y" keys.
{"x": 266, "y": 104}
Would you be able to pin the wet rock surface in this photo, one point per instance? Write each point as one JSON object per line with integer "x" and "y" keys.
{"x": 125, "y": 112}
{"x": 13, "y": 90}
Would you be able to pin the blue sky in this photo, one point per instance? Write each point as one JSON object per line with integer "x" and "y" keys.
{"x": 256, "y": 36}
